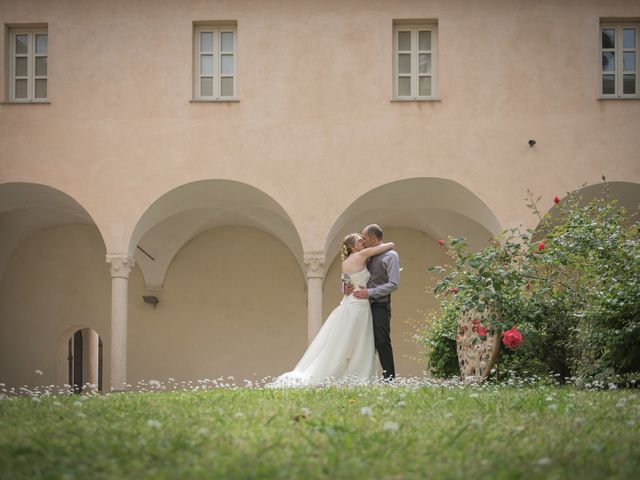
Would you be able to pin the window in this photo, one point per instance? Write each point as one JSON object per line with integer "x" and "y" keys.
{"x": 215, "y": 62}
{"x": 414, "y": 61}
{"x": 618, "y": 50}
{"x": 28, "y": 67}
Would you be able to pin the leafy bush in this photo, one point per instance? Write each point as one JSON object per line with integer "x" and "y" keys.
{"x": 439, "y": 336}
{"x": 572, "y": 287}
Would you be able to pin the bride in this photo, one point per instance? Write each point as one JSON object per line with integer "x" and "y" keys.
{"x": 343, "y": 348}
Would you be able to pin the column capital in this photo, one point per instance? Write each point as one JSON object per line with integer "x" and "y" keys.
{"x": 121, "y": 265}
{"x": 314, "y": 265}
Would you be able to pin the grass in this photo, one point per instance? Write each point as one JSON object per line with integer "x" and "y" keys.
{"x": 443, "y": 431}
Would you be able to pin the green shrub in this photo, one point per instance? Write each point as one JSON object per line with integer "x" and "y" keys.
{"x": 572, "y": 287}
{"x": 439, "y": 338}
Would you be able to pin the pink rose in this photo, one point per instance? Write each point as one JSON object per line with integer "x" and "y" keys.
{"x": 441, "y": 243}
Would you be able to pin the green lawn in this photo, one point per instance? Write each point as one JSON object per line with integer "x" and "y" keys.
{"x": 351, "y": 433}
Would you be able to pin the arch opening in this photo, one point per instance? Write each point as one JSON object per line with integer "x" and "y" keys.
{"x": 435, "y": 206}
{"x": 627, "y": 195}
{"x": 188, "y": 210}
{"x": 85, "y": 361}
{"x": 413, "y": 213}
{"x": 28, "y": 208}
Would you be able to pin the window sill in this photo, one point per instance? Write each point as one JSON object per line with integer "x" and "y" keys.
{"x": 403, "y": 100}
{"x": 618, "y": 98}
{"x": 27, "y": 103}
{"x": 224, "y": 100}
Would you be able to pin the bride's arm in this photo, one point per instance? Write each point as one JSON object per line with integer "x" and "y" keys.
{"x": 377, "y": 250}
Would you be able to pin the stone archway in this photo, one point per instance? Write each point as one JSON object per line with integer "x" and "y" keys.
{"x": 51, "y": 272}
{"x": 414, "y": 213}
{"x": 186, "y": 245}
{"x": 27, "y": 208}
{"x": 184, "y": 212}
{"x": 436, "y": 206}
{"x": 627, "y": 195}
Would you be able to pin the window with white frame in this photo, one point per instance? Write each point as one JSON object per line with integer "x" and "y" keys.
{"x": 618, "y": 51}
{"x": 415, "y": 61}
{"x": 28, "y": 65}
{"x": 215, "y": 62}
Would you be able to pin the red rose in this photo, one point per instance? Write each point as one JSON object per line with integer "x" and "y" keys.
{"x": 481, "y": 331}
{"x": 453, "y": 290}
{"x": 441, "y": 243}
{"x": 527, "y": 286}
{"x": 541, "y": 246}
{"x": 556, "y": 200}
{"x": 512, "y": 338}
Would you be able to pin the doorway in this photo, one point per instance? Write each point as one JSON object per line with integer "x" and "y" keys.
{"x": 85, "y": 361}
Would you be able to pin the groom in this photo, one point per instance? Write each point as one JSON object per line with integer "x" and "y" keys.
{"x": 385, "y": 278}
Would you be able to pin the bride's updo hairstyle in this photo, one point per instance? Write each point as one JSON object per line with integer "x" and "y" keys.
{"x": 347, "y": 245}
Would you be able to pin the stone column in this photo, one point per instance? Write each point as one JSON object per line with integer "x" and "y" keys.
{"x": 314, "y": 272}
{"x": 120, "y": 267}
{"x": 90, "y": 357}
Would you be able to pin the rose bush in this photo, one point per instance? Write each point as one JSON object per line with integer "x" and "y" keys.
{"x": 571, "y": 286}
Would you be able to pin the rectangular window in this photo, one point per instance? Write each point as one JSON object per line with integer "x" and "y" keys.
{"x": 215, "y": 62}
{"x": 618, "y": 54}
{"x": 415, "y": 51}
{"x": 28, "y": 65}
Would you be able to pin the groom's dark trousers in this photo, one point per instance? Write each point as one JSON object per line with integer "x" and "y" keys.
{"x": 381, "y": 313}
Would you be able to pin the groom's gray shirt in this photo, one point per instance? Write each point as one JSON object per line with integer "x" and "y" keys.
{"x": 385, "y": 276}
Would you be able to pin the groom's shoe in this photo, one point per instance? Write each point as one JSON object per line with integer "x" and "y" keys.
{"x": 388, "y": 379}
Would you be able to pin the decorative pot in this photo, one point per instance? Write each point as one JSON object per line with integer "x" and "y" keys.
{"x": 476, "y": 355}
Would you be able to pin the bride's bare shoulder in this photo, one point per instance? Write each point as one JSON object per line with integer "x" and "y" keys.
{"x": 350, "y": 266}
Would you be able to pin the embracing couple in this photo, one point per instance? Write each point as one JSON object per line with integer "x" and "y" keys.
{"x": 345, "y": 346}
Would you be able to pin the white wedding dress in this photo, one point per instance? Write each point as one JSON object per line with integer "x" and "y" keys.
{"x": 343, "y": 349}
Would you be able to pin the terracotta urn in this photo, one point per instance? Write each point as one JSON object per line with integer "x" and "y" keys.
{"x": 477, "y": 353}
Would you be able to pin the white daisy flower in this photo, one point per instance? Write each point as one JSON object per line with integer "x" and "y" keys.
{"x": 391, "y": 426}
{"x": 154, "y": 423}
{"x": 366, "y": 411}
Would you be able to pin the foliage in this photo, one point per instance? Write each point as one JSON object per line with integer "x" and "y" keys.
{"x": 439, "y": 335}
{"x": 572, "y": 287}
{"x": 438, "y": 431}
